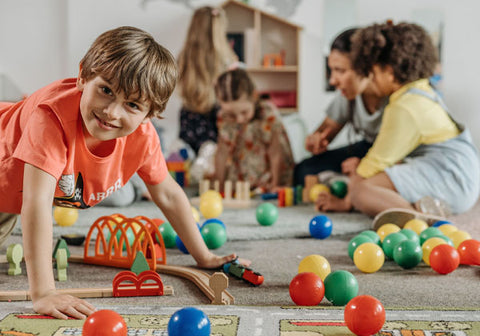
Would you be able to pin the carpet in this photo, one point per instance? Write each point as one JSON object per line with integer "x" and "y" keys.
{"x": 257, "y": 321}
{"x": 293, "y": 222}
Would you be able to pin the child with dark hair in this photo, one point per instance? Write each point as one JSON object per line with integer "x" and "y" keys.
{"x": 77, "y": 140}
{"x": 356, "y": 103}
{"x": 252, "y": 144}
{"x": 421, "y": 152}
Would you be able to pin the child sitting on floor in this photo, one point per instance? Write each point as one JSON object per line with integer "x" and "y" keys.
{"x": 420, "y": 151}
{"x": 77, "y": 140}
{"x": 252, "y": 144}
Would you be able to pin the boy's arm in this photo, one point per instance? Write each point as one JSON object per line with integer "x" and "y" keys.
{"x": 36, "y": 219}
{"x": 173, "y": 202}
{"x": 318, "y": 141}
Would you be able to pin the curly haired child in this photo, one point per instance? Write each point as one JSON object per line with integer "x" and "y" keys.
{"x": 420, "y": 151}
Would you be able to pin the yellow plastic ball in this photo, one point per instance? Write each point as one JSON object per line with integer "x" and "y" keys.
{"x": 65, "y": 216}
{"x": 428, "y": 246}
{"x": 211, "y": 208}
{"x": 368, "y": 257}
{"x": 447, "y": 229}
{"x": 196, "y": 214}
{"x": 315, "y": 264}
{"x": 416, "y": 225}
{"x": 316, "y": 190}
{"x": 209, "y": 195}
{"x": 458, "y": 237}
{"x": 386, "y": 229}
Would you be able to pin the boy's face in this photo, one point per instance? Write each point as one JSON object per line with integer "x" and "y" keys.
{"x": 107, "y": 114}
{"x": 240, "y": 111}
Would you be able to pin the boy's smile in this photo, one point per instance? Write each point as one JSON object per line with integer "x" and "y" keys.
{"x": 108, "y": 114}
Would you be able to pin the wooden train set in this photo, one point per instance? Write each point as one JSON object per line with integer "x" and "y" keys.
{"x": 109, "y": 237}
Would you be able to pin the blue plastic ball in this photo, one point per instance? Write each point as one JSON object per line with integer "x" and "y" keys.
{"x": 189, "y": 321}
{"x": 214, "y": 220}
{"x": 180, "y": 245}
{"x": 441, "y": 222}
{"x": 321, "y": 227}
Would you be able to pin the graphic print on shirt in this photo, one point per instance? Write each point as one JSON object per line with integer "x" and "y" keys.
{"x": 73, "y": 191}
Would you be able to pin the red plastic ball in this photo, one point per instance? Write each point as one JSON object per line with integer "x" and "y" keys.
{"x": 469, "y": 251}
{"x": 307, "y": 289}
{"x": 444, "y": 259}
{"x": 104, "y": 323}
{"x": 364, "y": 315}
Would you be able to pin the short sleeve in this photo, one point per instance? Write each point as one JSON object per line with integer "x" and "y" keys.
{"x": 42, "y": 143}
{"x": 154, "y": 168}
{"x": 338, "y": 110}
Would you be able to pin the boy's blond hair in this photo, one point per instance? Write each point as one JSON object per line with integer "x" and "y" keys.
{"x": 135, "y": 64}
{"x": 205, "y": 55}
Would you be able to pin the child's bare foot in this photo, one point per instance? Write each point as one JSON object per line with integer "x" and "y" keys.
{"x": 328, "y": 202}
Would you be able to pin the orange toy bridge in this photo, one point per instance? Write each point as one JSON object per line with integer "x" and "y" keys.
{"x": 112, "y": 244}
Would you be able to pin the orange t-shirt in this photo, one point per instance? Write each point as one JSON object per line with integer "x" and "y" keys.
{"x": 45, "y": 130}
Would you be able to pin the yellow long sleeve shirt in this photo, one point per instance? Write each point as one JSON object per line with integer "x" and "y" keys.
{"x": 409, "y": 120}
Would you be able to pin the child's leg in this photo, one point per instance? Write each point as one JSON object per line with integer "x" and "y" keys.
{"x": 376, "y": 194}
{"x": 7, "y": 223}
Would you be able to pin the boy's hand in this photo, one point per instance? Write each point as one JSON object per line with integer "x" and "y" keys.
{"x": 214, "y": 261}
{"x": 317, "y": 142}
{"x": 62, "y": 306}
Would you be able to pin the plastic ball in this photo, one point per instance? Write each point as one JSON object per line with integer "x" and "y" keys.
{"x": 211, "y": 208}
{"x": 180, "y": 245}
{"x": 65, "y": 216}
{"x": 372, "y": 235}
{"x": 168, "y": 234}
{"x": 469, "y": 251}
{"x": 306, "y": 289}
{"x": 104, "y": 323}
{"x": 210, "y": 195}
{"x": 458, "y": 237}
{"x": 364, "y": 315}
{"x": 428, "y": 246}
{"x": 340, "y": 287}
{"x": 391, "y": 241}
{"x": 447, "y": 229}
{"x": 369, "y": 257}
{"x": 316, "y": 189}
{"x": 444, "y": 259}
{"x": 411, "y": 235}
{"x": 417, "y": 225}
{"x": 196, "y": 214}
{"x": 386, "y": 229}
{"x": 214, "y": 235}
{"x": 356, "y": 242}
{"x": 430, "y": 233}
{"x": 130, "y": 234}
{"x": 339, "y": 188}
{"x": 320, "y": 227}
{"x": 189, "y": 321}
{"x": 441, "y": 222}
{"x": 214, "y": 220}
{"x": 267, "y": 214}
{"x": 315, "y": 264}
{"x": 407, "y": 254}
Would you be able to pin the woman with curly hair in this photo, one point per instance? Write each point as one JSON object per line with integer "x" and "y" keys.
{"x": 421, "y": 153}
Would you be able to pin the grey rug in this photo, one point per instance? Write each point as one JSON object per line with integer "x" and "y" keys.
{"x": 293, "y": 222}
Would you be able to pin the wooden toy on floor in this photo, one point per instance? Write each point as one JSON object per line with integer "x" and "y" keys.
{"x": 14, "y": 257}
{"x": 61, "y": 263}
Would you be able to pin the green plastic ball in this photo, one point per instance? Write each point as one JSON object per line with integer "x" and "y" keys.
{"x": 356, "y": 242}
{"x": 340, "y": 287}
{"x": 411, "y": 235}
{"x": 430, "y": 233}
{"x": 267, "y": 214}
{"x": 168, "y": 234}
{"x": 407, "y": 254}
{"x": 339, "y": 188}
{"x": 372, "y": 235}
{"x": 214, "y": 235}
{"x": 391, "y": 241}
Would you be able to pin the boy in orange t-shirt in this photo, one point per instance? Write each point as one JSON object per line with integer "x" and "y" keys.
{"x": 76, "y": 141}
